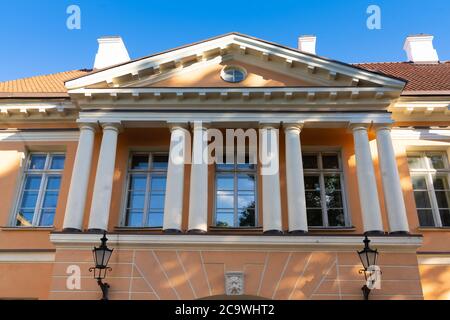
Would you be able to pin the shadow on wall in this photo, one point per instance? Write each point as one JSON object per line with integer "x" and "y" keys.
{"x": 435, "y": 281}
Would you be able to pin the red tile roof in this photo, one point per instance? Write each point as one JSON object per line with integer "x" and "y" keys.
{"x": 49, "y": 86}
{"x": 422, "y": 78}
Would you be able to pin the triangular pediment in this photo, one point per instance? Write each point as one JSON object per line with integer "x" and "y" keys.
{"x": 199, "y": 65}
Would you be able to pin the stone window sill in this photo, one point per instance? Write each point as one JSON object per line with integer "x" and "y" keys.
{"x": 9, "y": 228}
{"x": 434, "y": 229}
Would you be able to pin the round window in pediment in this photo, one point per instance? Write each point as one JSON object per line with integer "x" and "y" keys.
{"x": 233, "y": 74}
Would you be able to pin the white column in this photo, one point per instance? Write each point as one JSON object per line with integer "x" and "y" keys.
{"x": 367, "y": 185}
{"x": 271, "y": 196}
{"x": 76, "y": 199}
{"x": 101, "y": 198}
{"x": 173, "y": 208}
{"x": 298, "y": 221}
{"x": 198, "y": 195}
{"x": 393, "y": 195}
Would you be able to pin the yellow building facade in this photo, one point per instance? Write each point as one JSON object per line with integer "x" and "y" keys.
{"x": 359, "y": 149}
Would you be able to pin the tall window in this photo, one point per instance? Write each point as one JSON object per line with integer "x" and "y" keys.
{"x": 147, "y": 174}
{"x": 324, "y": 189}
{"x": 40, "y": 190}
{"x": 236, "y": 195}
{"x": 430, "y": 178}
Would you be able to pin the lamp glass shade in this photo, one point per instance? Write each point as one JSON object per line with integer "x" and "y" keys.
{"x": 368, "y": 257}
{"x": 102, "y": 256}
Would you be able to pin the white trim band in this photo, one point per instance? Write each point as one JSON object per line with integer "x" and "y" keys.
{"x": 350, "y": 242}
{"x": 38, "y": 136}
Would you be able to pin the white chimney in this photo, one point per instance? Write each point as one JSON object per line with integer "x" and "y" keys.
{"x": 307, "y": 44}
{"x": 111, "y": 51}
{"x": 419, "y": 49}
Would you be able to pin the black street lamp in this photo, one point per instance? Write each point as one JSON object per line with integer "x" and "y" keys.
{"x": 368, "y": 257}
{"x": 102, "y": 255}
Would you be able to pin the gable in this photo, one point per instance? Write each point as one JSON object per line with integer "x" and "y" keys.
{"x": 210, "y": 76}
{"x": 286, "y": 65}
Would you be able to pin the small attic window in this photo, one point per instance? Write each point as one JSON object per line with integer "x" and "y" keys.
{"x": 233, "y": 74}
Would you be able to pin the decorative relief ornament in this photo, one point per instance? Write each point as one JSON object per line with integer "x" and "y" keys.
{"x": 234, "y": 283}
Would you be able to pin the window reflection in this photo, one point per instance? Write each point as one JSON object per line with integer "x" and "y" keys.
{"x": 146, "y": 190}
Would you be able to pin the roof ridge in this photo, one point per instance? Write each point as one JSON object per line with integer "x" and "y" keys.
{"x": 381, "y": 62}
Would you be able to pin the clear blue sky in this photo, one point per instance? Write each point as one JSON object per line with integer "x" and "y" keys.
{"x": 35, "y": 39}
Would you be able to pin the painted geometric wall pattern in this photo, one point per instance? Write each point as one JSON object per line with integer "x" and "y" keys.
{"x": 194, "y": 274}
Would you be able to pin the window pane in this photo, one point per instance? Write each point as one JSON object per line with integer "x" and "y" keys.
{"x": 422, "y": 199}
{"x": 332, "y": 183}
{"x": 33, "y": 182}
{"x": 225, "y": 219}
{"x": 334, "y": 200}
{"x": 134, "y": 218}
{"x": 330, "y": 161}
{"x": 225, "y": 166}
{"x": 53, "y": 182}
{"x": 415, "y": 162}
{"x": 57, "y": 162}
{"x": 336, "y": 218}
{"x": 25, "y": 218}
{"x": 139, "y": 162}
{"x": 136, "y": 200}
{"x": 419, "y": 182}
{"x": 225, "y": 200}
{"x": 29, "y": 199}
{"x": 158, "y": 183}
{"x": 246, "y": 182}
{"x": 442, "y": 198}
{"x": 437, "y": 161}
{"x": 247, "y": 218}
{"x": 426, "y": 218}
{"x": 314, "y": 217}
{"x": 440, "y": 183}
{"x": 312, "y": 183}
{"x": 156, "y": 201}
{"x": 246, "y": 201}
{"x": 225, "y": 183}
{"x": 160, "y": 161}
{"x": 37, "y": 161}
{"x": 313, "y": 199}
{"x": 310, "y": 161}
{"x": 47, "y": 217}
{"x": 138, "y": 182}
{"x": 155, "y": 219}
{"x": 50, "y": 199}
{"x": 445, "y": 217}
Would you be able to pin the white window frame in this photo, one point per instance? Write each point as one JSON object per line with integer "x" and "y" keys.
{"x": 429, "y": 173}
{"x": 149, "y": 173}
{"x": 322, "y": 173}
{"x": 45, "y": 173}
{"x": 236, "y": 172}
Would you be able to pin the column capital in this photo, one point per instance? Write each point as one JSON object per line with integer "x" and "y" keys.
{"x": 297, "y": 126}
{"x": 177, "y": 125}
{"x": 269, "y": 125}
{"x": 112, "y": 125}
{"x": 200, "y": 125}
{"x": 354, "y": 126}
{"x": 382, "y": 126}
{"x": 89, "y": 125}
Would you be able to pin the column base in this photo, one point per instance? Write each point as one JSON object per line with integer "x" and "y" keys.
{"x": 196, "y": 231}
{"x": 399, "y": 233}
{"x": 298, "y": 233}
{"x": 71, "y": 230}
{"x": 99, "y": 231}
{"x": 172, "y": 231}
{"x": 374, "y": 233}
{"x": 273, "y": 233}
